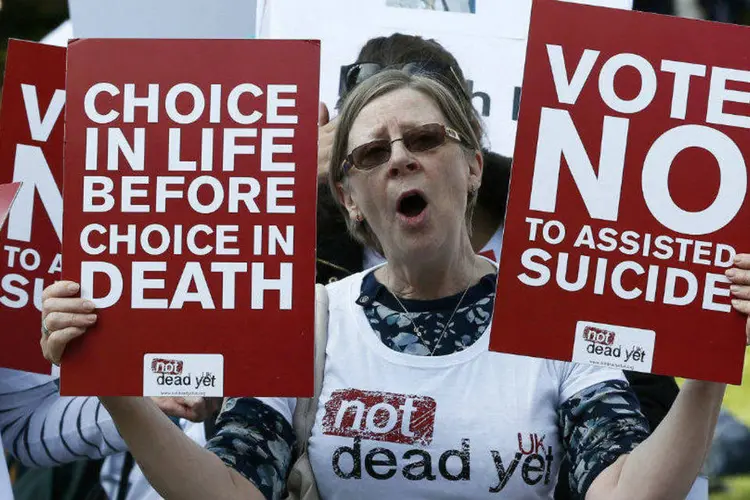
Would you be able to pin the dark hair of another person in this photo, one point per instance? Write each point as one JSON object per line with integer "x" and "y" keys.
{"x": 398, "y": 49}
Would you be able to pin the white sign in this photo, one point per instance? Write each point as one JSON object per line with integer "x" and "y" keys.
{"x": 163, "y": 18}
{"x": 183, "y": 375}
{"x": 614, "y": 346}
{"x": 487, "y": 37}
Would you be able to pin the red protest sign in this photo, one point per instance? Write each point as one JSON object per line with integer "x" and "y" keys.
{"x": 8, "y": 194}
{"x": 31, "y": 152}
{"x": 190, "y": 187}
{"x": 628, "y": 196}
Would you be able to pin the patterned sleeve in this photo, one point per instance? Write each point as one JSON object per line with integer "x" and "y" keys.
{"x": 257, "y": 441}
{"x": 599, "y": 424}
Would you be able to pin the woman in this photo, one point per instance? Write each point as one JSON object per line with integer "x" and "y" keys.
{"x": 338, "y": 255}
{"x": 440, "y": 417}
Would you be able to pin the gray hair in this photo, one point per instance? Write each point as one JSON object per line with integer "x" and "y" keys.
{"x": 460, "y": 115}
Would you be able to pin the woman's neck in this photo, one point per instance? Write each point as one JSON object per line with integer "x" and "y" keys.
{"x": 428, "y": 279}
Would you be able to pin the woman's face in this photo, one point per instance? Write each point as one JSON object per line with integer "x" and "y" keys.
{"x": 416, "y": 201}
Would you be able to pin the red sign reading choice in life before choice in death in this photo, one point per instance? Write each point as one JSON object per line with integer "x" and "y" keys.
{"x": 190, "y": 189}
{"x": 629, "y": 194}
{"x": 31, "y": 152}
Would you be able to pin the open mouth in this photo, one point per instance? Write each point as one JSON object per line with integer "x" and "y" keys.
{"x": 412, "y": 204}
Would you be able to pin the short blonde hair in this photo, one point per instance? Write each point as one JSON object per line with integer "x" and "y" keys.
{"x": 460, "y": 116}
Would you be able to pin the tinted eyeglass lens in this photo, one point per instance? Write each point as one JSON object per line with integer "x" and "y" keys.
{"x": 425, "y": 137}
{"x": 372, "y": 154}
{"x": 416, "y": 140}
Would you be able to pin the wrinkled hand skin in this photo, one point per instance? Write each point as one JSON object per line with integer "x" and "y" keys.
{"x": 326, "y": 134}
{"x": 195, "y": 409}
{"x": 739, "y": 275}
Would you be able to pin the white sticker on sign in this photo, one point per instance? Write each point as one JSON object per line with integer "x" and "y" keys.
{"x": 614, "y": 346}
{"x": 183, "y": 375}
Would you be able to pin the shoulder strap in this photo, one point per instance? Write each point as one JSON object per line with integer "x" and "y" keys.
{"x": 304, "y": 413}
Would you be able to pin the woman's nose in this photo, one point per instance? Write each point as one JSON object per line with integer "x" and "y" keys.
{"x": 402, "y": 160}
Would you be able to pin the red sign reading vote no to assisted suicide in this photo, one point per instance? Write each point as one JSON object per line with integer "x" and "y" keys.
{"x": 629, "y": 194}
{"x": 31, "y": 152}
{"x": 189, "y": 198}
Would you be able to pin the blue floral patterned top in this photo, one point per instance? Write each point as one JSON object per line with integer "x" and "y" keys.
{"x": 597, "y": 425}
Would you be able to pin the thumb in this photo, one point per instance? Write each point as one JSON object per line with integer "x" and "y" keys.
{"x": 323, "y": 115}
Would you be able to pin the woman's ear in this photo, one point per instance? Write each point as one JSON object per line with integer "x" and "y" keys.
{"x": 345, "y": 198}
{"x": 476, "y": 164}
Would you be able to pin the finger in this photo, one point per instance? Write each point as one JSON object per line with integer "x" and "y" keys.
{"x": 55, "y": 344}
{"x": 738, "y": 276}
{"x": 194, "y": 401}
{"x": 740, "y": 292}
{"x": 61, "y": 289}
{"x": 172, "y": 408}
{"x": 328, "y": 131}
{"x": 60, "y": 320}
{"x": 199, "y": 409}
{"x": 742, "y": 306}
{"x": 323, "y": 115}
{"x": 194, "y": 416}
{"x": 71, "y": 305}
{"x": 742, "y": 260}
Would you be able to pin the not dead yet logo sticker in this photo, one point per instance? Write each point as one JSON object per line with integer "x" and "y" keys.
{"x": 614, "y": 346}
{"x": 183, "y": 375}
{"x": 392, "y": 435}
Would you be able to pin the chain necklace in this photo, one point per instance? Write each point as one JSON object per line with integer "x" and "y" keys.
{"x": 419, "y": 330}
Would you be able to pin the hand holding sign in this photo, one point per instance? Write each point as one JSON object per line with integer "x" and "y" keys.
{"x": 65, "y": 316}
{"x": 195, "y": 409}
{"x": 740, "y": 289}
{"x": 326, "y": 133}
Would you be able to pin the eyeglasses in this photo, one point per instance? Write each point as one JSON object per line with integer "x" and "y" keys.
{"x": 354, "y": 74}
{"x": 417, "y": 140}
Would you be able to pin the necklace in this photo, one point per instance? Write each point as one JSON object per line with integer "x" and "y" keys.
{"x": 419, "y": 330}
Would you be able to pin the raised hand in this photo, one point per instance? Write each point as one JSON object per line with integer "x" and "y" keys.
{"x": 65, "y": 316}
{"x": 739, "y": 275}
{"x": 326, "y": 133}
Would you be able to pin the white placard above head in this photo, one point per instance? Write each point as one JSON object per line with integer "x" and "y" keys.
{"x": 487, "y": 38}
{"x": 60, "y": 35}
{"x": 163, "y": 18}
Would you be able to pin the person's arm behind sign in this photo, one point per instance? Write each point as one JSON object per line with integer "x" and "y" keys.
{"x": 660, "y": 462}
{"x": 175, "y": 466}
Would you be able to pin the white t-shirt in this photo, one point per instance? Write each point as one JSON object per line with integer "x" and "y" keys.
{"x": 467, "y": 425}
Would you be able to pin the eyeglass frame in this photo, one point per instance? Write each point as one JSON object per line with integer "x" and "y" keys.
{"x": 448, "y": 133}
